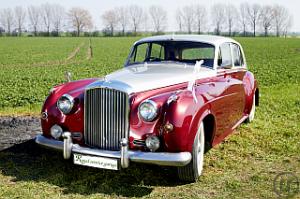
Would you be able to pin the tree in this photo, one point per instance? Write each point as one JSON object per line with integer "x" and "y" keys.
{"x": 34, "y": 17}
{"x": 243, "y": 17}
{"x": 218, "y": 17}
{"x": 231, "y": 15}
{"x": 122, "y": 14}
{"x": 58, "y": 17}
{"x": 159, "y": 18}
{"x": 110, "y": 19}
{"x": 46, "y": 13}
{"x": 266, "y": 18}
{"x": 7, "y": 19}
{"x": 179, "y": 19}
{"x": 200, "y": 17}
{"x": 287, "y": 25}
{"x": 188, "y": 17}
{"x": 253, "y": 13}
{"x": 20, "y": 14}
{"x": 281, "y": 18}
{"x": 136, "y": 16}
{"x": 80, "y": 19}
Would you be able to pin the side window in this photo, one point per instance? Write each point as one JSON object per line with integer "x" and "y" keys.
{"x": 157, "y": 52}
{"x": 198, "y": 53}
{"x": 140, "y": 53}
{"x": 225, "y": 59}
{"x": 237, "y": 56}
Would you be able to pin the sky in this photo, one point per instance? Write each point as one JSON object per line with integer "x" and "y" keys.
{"x": 97, "y": 7}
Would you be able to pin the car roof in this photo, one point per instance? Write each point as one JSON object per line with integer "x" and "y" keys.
{"x": 211, "y": 39}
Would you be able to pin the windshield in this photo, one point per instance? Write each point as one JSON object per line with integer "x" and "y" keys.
{"x": 178, "y": 51}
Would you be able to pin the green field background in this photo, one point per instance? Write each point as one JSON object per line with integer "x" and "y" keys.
{"x": 243, "y": 166}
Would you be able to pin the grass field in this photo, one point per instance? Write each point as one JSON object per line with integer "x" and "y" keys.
{"x": 243, "y": 166}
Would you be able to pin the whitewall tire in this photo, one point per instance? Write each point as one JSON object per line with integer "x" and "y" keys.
{"x": 192, "y": 171}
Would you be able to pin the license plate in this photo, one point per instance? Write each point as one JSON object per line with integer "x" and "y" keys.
{"x": 98, "y": 162}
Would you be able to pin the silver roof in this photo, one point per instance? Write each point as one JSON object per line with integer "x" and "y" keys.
{"x": 215, "y": 40}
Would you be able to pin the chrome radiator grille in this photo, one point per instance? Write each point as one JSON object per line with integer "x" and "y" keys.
{"x": 106, "y": 118}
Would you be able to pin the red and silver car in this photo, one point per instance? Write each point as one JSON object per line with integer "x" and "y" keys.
{"x": 176, "y": 97}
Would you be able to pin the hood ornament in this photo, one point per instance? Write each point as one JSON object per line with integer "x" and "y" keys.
{"x": 68, "y": 76}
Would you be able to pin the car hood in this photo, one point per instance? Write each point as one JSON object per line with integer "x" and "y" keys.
{"x": 142, "y": 77}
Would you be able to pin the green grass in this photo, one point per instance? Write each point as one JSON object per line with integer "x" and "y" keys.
{"x": 243, "y": 166}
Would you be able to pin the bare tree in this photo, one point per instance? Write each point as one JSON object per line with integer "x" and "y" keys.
{"x": 34, "y": 17}
{"x": 80, "y": 19}
{"x": 253, "y": 12}
{"x": 20, "y": 14}
{"x": 188, "y": 17}
{"x": 110, "y": 19}
{"x": 7, "y": 19}
{"x": 136, "y": 17}
{"x": 243, "y": 17}
{"x": 122, "y": 13}
{"x": 159, "y": 18}
{"x": 200, "y": 17}
{"x": 218, "y": 17}
{"x": 266, "y": 18}
{"x": 58, "y": 17}
{"x": 281, "y": 18}
{"x": 287, "y": 25}
{"x": 46, "y": 12}
{"x": 179, "y": 19}
{"x": 231, "y": 14}
{"x": 145, "y": 20}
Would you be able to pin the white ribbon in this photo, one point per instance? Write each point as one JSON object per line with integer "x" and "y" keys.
{"x": 191, "y": 84}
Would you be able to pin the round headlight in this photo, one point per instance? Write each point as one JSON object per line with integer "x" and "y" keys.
{"x": 65, "y": 103}
{"x": 56, "y": 131}
{"x": 148, "y": 110}
{"x": 152, "y": 143}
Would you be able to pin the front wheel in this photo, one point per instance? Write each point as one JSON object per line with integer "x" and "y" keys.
{"x": 193, "y": 170}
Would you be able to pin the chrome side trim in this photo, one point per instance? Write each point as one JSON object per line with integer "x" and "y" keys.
{"x": 158, "y": 158}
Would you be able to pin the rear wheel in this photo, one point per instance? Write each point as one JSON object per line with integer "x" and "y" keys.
{"x": 252, "y": 112}
{"x": 193, "y": 170}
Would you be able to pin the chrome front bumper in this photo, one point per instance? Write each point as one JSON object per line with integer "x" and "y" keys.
{"x": 125, "y": 155}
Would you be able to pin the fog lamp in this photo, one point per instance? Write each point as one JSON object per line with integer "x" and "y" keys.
{"x": 56, "y": 131}
{"x": 152, "y": 143}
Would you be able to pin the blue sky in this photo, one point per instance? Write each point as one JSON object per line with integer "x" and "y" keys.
{"x": 97, "y": 7}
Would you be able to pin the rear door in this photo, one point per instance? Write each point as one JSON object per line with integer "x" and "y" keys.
{"x": 230, "y": 104}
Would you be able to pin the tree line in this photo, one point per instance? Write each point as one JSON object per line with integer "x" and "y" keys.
{"x": 220, "y": 19}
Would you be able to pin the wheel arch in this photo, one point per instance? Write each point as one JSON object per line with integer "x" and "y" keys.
{"x": 209, "y": 123}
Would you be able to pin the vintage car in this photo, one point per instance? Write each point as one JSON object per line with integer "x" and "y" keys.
{"x": 176, "y": 97}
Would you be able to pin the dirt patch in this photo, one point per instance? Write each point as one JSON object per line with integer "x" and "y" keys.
{"x": 75, "y": 52}
{"x": 15, "y": 130}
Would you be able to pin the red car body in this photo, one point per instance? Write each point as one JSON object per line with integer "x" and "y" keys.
{"x": 223, "y": 101}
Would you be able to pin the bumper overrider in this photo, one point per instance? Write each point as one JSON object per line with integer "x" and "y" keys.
{"x": 124, "y": 155}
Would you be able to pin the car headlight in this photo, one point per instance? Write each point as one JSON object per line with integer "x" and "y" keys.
{"x": 148, "y": 110}
{"x": 65, "y": 103}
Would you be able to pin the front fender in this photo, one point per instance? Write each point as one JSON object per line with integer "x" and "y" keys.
{"x": 184, "y": 114}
